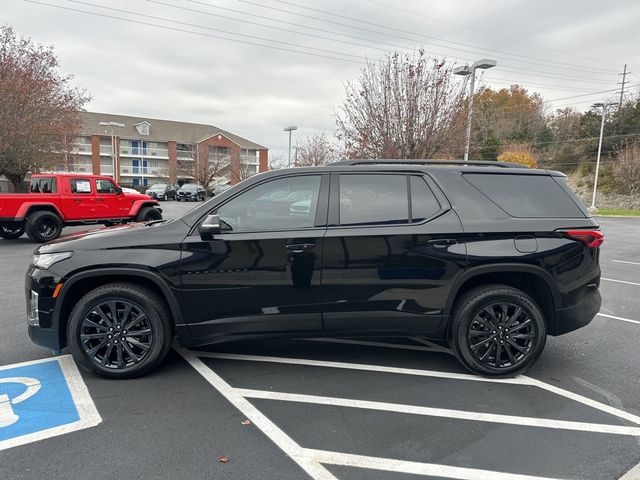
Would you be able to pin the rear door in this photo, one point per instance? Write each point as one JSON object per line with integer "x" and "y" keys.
{"x": 392, "y": 248}
{"x": 262, "y": 272}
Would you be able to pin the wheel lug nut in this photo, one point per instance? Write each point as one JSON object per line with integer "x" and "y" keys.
{"x": 507, "y": 336}
{"x": 110, "y": 336}
{"x": 124, "y": 331}
{"x": 118, "y": 327}
{"x": 493, "y": 331}
{"x": 111, "y": 329}
{"x": 115, "y": 341}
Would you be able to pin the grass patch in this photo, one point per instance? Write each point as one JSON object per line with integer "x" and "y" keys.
{"x": 621, "y": 213}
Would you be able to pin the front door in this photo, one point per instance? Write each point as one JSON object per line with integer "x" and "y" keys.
{"x": 110, "y": 202}
{"x": 392, "y": 248}
{"x": 262, "y": 272}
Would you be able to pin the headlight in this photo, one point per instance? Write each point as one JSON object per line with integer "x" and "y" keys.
{"x": 45, "y": 260}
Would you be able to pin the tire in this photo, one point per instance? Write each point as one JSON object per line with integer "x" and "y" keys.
{"x": 147, "y": 214}
{"x": 11, "y": 230}
{"x": 109, "y": 352}
{"x": 498, "y": 344}
{"x": 43, "y": 226}
{"x": 164, "y": 198}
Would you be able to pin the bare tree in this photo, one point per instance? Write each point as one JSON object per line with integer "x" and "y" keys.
{"x": 399, "y": 108}
{"x": 315, "y": 151}
{"x": 38, "y": 108}
{"x": 627, "y": 169}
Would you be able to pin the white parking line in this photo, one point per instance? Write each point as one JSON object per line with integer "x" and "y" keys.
{"x": 441, "y": 412}
{"x": 620, "y": 281}
{"x": 416, "y": 468}
{"x": 637, "y": 322}
{"x": 311, "y": 460}
{"x": 625, "y": 261}
{"x": 521, "y": 380}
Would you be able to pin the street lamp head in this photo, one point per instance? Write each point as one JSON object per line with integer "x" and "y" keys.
{"x": 290, "y": 128}
{"x": 463, "y": 70}
{"x": 603, "y": 105}
{"x": 485, "y": 63}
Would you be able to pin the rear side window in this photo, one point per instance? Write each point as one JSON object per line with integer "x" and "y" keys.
{"x": 526, "y": 196}
{"x": 43, "y": 185}
{"x": 373, "y": 199}
{"x": 80, "y": 185}
{"x": 423, "y": 202}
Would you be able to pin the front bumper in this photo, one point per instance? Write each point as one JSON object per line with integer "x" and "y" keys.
{"x": 579, "y": 315}
{"x": 45, "y": 337}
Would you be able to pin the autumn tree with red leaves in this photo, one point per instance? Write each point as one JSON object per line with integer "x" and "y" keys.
{"x": 38, "y": 108}
{"x": 402, "y": 107}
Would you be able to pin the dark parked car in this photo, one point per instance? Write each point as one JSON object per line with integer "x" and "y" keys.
{"x": 191, "y": 192}
{"x": 162, "y": 191}
{"x": 487, "y": 258}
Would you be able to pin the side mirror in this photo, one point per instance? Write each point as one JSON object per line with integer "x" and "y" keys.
{"x": 119, "y": 190}
{"x": 210, "y": 227}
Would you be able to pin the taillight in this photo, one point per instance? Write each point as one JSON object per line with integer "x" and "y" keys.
{"x": 591, "y": 238}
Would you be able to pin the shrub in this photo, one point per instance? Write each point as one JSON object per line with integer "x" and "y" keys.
{"x": 519, "y": 153}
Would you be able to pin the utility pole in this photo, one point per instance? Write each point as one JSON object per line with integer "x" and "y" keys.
{"x": 624, "y": 80}
{"x": 604, "y": 107}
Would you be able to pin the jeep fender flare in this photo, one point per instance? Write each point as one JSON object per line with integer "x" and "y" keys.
{"x": 26, "y": 207}
{"x": 139, "y": 204}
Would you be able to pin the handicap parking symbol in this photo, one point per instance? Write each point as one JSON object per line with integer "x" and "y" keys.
{"x": 42, "y": 399}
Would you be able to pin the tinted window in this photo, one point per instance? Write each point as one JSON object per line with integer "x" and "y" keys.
{"x": 526, "y": 195}
{"x": 105, "y": 186}
{"x": 283, "y": 204}
{"x": 43, "y": 185}
{"x": 373, "y": 199}
{"x": 80, "y": 185}
{"x": 423, "y": 202}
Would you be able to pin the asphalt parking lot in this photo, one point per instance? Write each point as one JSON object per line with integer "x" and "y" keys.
{"x": 352, "y": 409}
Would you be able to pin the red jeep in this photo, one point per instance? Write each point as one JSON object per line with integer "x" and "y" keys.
{"x": 63, "y": 199}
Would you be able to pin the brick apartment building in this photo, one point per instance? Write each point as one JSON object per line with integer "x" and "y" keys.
{"x": 149, "y": 150}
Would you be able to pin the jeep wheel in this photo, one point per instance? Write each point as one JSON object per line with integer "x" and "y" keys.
{"x": 497, "y": 330}
{"x": 148, "y": 214}
{"x": 119, "y": 330}
{"x": 11, "y": 230}
{"x": 43, "y": 226}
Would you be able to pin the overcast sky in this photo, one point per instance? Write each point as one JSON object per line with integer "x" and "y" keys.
{"x": 241, "y": 70}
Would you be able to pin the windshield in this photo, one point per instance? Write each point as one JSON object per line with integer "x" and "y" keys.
{"x": 189, "y": 187}
{"x": 159, "y": 186}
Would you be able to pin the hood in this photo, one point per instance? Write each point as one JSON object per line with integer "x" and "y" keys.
{"x": 137, "y": 196}
{"x": 119, "y": 236}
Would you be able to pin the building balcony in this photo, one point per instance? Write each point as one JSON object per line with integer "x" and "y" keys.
{"x": 86, "y": 149}
{"x": 139, "y": 152}
{"x": 184, "y": 155}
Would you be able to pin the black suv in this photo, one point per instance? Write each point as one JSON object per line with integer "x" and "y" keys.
{"x": 162, "y": 191}
{"x": 487, "y": 258}
{"x": 190, "y": 191}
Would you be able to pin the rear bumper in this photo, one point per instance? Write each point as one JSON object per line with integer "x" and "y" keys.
{"x": 579, "y": 315}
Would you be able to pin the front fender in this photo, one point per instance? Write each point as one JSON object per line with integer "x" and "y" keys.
{"x": 139, "y": 204}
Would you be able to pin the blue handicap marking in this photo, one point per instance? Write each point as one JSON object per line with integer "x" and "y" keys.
{"x": 42, "y": 399}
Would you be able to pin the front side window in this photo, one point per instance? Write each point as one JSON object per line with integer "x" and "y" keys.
{"x": 283, "y": 204}
{"x": 105, "y": 186}
{"x": 373, "y": 199}
{"x": 80, "y": 185}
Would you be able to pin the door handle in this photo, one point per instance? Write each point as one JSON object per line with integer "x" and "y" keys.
{"x": 77, "y": 200}
{"x": 299, "y": 247}
{"x": 99, "y": 199}
{"x": 442, "y": 242}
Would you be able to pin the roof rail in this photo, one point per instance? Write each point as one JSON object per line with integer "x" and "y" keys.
{"x": 404, "y": 161}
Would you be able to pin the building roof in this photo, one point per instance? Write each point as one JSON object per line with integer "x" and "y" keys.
{"x": 159, "y": 130}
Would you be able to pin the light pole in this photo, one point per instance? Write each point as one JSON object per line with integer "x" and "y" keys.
{"x": 595, "y": 181}
{"x": 113, "y": 144}
{"x": 290, "y": 129}
{"x": 471, "y": 70}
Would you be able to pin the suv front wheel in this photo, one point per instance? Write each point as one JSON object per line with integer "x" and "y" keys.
{"x": 119, "y": 330}
{"x": 497, "y": 330}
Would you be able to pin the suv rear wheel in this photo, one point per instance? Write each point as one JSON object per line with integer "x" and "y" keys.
{"x": 497, "y": 330}
{"x": 119, "y": 330}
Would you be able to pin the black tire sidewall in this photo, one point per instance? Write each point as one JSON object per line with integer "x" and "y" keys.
{"x": 476, "y": 300}
{"x": 145, "y": 300}
{"x": 34, "y": 220}
{"x": 11, "y": 235}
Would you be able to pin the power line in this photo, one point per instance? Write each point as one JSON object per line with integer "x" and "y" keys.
{"x": 497, "y": 35}
{"x": 365, "y": 22}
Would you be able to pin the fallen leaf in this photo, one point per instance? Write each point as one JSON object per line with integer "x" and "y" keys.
{"x": 223, "y": 459}
{"x": 246, "y": 422}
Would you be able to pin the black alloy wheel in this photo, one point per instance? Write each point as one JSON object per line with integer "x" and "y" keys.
{"x": 120, "y": 330}
{"x": 501, "y": 335}
{"x": 43, "y": 226}
{"x": 497, "y": 330}
{"x": 11, "y": 230}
